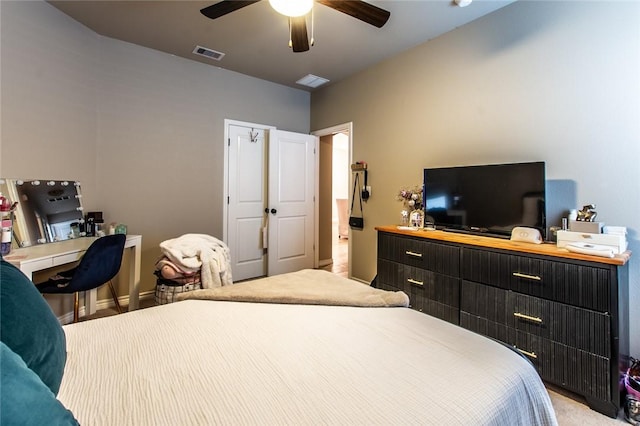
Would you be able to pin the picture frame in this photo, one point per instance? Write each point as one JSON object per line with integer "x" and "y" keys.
{"x": 416, "y": 219}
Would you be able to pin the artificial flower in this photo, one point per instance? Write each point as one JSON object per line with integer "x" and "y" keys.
{"x": 411, "y": 197}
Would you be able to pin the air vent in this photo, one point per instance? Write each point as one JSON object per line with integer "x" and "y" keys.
{"x": 208, "y": 53}
{"x": 311, "y": 80}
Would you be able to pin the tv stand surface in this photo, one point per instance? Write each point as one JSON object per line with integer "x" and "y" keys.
{"x": 567, "y": 312}
{"x": 474, "y": 232}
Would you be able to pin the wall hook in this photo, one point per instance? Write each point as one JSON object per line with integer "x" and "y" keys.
{"x": 253, "y": 137}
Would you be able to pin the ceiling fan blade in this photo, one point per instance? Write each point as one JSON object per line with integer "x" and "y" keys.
{"x": 299, "y": 38}
{"x": 226, "y": 6}
{"x": 361, "y": 10}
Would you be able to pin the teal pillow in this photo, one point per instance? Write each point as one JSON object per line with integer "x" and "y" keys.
{"x": 29, "y": 328}
{"x": 25, "y": 399}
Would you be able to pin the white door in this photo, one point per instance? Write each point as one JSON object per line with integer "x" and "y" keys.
{"x": 292, "y": 171}
{"x": 247, "y": 199}
{"x": 269, "y": 170}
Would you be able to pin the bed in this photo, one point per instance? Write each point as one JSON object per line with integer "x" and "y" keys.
{"x": 241, "y": 355}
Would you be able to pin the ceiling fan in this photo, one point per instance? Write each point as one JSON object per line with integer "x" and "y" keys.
{"x": 299, "y": 39}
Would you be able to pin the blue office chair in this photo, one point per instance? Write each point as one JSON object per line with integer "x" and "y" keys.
{"x": 100, "y": 263}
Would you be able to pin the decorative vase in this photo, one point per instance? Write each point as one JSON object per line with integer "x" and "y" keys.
{"x": 404, "y": 218}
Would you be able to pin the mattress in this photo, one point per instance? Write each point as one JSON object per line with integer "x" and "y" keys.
{"x": 203, "y": 362}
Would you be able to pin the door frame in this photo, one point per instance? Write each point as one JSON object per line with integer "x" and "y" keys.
{"x": 346, "y": 128}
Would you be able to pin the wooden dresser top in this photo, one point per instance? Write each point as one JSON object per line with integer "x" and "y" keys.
{"x": 548, "y": 249}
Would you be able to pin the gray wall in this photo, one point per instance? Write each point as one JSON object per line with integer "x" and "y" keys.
{"x": 551, "y": 81}
{"x": 48, "y": 77}
{"x": 142, "y": 130}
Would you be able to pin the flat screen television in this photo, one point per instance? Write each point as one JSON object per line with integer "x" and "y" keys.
{"x": 486, "y": 199}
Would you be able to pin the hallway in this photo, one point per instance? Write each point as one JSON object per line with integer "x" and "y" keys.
{"x": 339, "y": 254}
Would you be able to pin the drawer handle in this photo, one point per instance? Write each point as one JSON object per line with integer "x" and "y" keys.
{"x": 529, "y": 354}
{"x": 527, "y": 317}
{"x": 413, "y": 253}
{"x": 412, "y": 281}
{"x": 529, "y": 277}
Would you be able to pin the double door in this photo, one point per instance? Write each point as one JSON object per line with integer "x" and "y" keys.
{"x": 271, "y": 185}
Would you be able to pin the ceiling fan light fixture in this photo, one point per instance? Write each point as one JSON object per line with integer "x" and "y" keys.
{"x": 292, "y": 8}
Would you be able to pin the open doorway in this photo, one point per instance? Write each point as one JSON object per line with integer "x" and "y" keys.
{"x": 333, "y": 206}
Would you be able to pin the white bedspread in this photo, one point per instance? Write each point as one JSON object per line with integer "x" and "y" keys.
{"x": 234, "y": 363}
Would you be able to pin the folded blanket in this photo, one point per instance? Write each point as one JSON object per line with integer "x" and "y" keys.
{"x": 306, "y": 287}
{"x": 193, "y": 252}
{"x": 170, "y": 271}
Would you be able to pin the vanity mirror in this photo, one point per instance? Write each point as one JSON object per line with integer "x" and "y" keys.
{"x": 47, "y": 210}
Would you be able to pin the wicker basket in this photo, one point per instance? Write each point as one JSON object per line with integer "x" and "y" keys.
{"x": 167, "y": 290}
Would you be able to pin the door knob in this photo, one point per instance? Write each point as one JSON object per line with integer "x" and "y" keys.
{"x": 266, "y": 210}
{"x": 274, "y": 211}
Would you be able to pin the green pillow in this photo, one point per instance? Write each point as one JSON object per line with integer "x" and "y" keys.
{"x": 29, "y": 328}
{"x": 25, "y": 399}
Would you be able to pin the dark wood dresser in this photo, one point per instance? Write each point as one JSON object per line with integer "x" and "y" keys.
{"x": 567, "y": 312}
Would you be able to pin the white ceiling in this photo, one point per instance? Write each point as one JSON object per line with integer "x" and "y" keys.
{"x": 254, "y": 39}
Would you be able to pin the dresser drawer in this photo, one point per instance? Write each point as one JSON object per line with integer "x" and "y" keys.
{"x": 577, "y": 370}
{"x": 431, "y": 285}
{"x": 389, "y": 246}
{"x": 421, "y": 253}
{"x": 572, "y": 283}
{"x": 418, "y": 282}
{"x": 435, "y": 309}
{"x": 583, "y": 329}
{"x": 67, "y": 258}
{"x": 429, "y": 292}
{"x": 390, "y": 275}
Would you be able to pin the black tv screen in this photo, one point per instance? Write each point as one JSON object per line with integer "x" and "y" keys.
{"x": 486, "y": 199}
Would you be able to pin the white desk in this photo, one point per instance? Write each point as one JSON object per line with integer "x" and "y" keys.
{"x": 44, "y": 256}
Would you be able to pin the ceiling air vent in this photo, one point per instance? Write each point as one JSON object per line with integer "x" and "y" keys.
{"x": 208, "y": 53}
{"x": 311, "y": 80}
